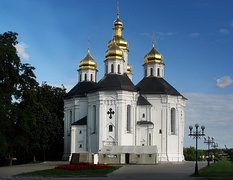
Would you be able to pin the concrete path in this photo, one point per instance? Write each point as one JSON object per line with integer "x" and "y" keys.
{"x": 160, "y": 171}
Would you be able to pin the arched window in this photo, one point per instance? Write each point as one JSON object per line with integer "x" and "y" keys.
{"x": 150, "y": 139}
{"x": 85, "y": 77}
{"x": 94, "y": 119}
{"x": 110, "y": 128}
{"x": 91, "y": 77}
{"x": 118, "y": 68}
{"x": 158, "y": 72}
{"x": 173, "y": 120}
{"x": 151, "y": 71}
{"x": 128, "y": 123}
{"x": 145, "y": 72}
{"x": 71, "y": 117}
{"x": 106, "y": 69}
{"x": 112, "y": 68}
{"x": 80, "y": 77}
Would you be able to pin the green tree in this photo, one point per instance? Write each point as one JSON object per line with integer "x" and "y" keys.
{"x": 47, "y": 127}
{"x": 190, "y": 154}
{"x": 31, "y": 116}
{"x": 9, "y": 81}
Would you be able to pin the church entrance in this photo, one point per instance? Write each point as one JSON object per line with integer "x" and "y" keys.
{"x": 127, "y": 158}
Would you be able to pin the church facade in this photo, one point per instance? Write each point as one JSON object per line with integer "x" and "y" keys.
{"x": 114, "y": 117}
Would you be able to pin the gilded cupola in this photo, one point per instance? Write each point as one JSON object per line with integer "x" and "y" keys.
{"x": 120, "y": 41}
{"x": 114, "y": 52}
{"x": 153, "y": 56}
{"x": 88, "y": 62}
{"x": 129, "y": 68}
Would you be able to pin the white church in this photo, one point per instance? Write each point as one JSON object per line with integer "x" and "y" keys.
{"x": 118, "y": 121}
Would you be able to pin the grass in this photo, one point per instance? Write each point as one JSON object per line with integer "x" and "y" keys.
{"x": 65, "y": 172}
{"x": 220, "y": 170}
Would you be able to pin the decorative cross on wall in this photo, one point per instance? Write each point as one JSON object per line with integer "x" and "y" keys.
{"x": 110, "y": 113}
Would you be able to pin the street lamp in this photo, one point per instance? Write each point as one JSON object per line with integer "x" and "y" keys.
{"x": 215, "y": 145}
{"x": 196, "y": 134}
{"x": 209, "y": 141}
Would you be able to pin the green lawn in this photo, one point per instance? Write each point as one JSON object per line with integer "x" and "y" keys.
{"x": 223, "y": 169}
{"x": 63, "y": 172}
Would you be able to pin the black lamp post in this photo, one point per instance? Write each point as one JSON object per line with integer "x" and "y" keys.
{"x": 196, "y": 134}
{"x": 215, "y": 145}
{"x": 209, "y": 140}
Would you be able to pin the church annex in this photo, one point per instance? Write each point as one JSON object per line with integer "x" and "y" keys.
{"x": 121, "y": 122}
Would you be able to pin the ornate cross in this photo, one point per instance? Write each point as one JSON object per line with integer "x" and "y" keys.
{"x": 110, "y": 113}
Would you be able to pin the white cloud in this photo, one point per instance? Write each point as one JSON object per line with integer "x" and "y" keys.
{"x": 195, "y": 34}
{"x": 21, "y": 47}
{"x": 224, "y": 81}
{"x": 214, "y": 111}
{"x": 166, "y": 33}
{"x": 224, "y": 31}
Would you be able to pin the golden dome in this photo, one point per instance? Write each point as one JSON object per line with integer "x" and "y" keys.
{"x": 88, "y": 62}
{"x": 118, "y": 23}
{"x": 120, "y": 41}
{"x": 129, "y": 68}
{"x": 114, "y": 52}
{"x": 153, "y": 56}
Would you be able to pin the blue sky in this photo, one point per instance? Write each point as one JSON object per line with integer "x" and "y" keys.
{"x": 194, "y": 36}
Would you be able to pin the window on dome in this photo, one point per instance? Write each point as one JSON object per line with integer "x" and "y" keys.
{"x": 112, "y": 68}
{"x": 151, "y": 72}
{"x": 145, "y": 72}
{"x": 158, "y": 72}
{"x": 85, "y": 77}
{"x": 91, "y": 77}
{"x": 118, "y": 67}
{"x": 106, "y": 69}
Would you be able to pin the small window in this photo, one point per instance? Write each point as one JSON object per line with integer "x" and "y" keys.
{"x": 151, "y": 72}
{"x": 85, "y": 77}
{"x": 80, "y": 132}
{"x": 158, "y": 72}
{"x": 150, "y": 155}
{"x": 106, "y": 69}
{"x": 143, "y": 115}
{"x": 112, "y": 68}
{"x": 91, "y": 77}
{"x": 138, "y": 155}
{"x": 119, "y": 69}
{"x": 110, "y": 128}
{"x": 80, "y": 145}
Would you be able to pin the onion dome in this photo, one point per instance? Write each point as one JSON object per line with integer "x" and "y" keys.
{"x": 118, "y": 23}
{"x": 114, "y": 52}
{"x": 129, "y": 68}
{"x": 120, "y": 41}
{"x": 153, "y": 56}
{"x": 88, "y": 62}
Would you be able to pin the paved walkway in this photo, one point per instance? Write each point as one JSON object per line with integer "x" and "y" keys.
{"x": 160, "y": 171}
